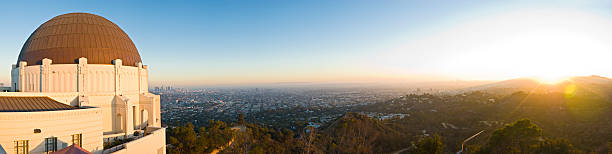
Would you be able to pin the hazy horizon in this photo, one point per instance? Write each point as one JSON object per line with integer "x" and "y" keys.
{"x": 214, "y": 43}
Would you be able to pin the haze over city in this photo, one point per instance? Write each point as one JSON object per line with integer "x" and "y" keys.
{"x": 306, "y": 77}
{"x": 247, "y": 42}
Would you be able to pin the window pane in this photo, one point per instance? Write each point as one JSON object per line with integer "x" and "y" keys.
{"x": 51, "y": 144}
{"x": 21, "y": 147}
{"x": 77, "y": 139}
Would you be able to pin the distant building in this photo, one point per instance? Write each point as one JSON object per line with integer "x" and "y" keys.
{"x": 79, "y": 80}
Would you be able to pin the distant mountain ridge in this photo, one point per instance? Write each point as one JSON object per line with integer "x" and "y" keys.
{"x": 598, "y": 85}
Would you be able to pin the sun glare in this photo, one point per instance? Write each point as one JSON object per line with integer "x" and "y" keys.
{"x": 543, "y": 44}
{"x": 551, "y": 79}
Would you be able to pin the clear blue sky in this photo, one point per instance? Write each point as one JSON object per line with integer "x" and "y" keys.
{"x": 242, "y": 42}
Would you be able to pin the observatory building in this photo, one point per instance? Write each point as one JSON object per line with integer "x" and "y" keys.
{"x": 79, "y": 80}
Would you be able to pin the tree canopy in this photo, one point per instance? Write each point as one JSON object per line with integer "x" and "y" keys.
{"x": 429, "y": 145}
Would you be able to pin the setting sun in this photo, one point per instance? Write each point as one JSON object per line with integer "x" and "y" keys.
{"x": 551, "y": 79}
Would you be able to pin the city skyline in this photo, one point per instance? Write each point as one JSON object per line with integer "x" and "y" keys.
{"x": 227, "y": 42}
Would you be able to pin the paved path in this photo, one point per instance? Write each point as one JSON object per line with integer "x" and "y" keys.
{"x": 400, "y": 151}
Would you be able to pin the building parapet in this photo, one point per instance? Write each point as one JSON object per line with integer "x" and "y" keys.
{"x": 5, "y": 89}
{"x": 153, "y": 141}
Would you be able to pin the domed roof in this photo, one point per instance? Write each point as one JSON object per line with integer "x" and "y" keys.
{"x": 68, "y": 37}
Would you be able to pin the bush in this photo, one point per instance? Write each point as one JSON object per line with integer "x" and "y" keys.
{"x": 520, "y": 137}
{"x": 116, "y": 142}
{"x": 429, "y": 145}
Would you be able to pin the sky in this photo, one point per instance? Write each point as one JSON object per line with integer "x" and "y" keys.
{"x": 252, "y": 42}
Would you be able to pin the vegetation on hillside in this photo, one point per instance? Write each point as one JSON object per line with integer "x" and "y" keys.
{"x": 572, "y": 119}
{"x": 185, "y": 140}
{"x": 355, "y": 133}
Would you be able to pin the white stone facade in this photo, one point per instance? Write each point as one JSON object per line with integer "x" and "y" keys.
{"x": 108, "y": 87}
{"x": 17, "y": 126}
{"x": 83, "y": 78}
{"x": 117, "y": 94}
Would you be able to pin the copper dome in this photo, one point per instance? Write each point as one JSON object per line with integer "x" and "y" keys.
{"x": 68, "y": 37}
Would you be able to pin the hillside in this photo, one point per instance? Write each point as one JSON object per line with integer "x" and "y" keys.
{"x": 576, "y": 113}
{"x": 586, "y": 85}
{"x": 579, "y": 110}
{"x": 357, "y": 133}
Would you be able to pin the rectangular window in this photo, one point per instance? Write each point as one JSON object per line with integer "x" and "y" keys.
{"x": 77, "y": 139}
{"x": 50, "y": 144}
{"x": 21, "y": 147}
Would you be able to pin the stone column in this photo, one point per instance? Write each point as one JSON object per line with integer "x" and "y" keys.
{"x": 129, "y": 118}
{"x": 118, "y": 64}
{"x": 45, "y": 75}
{"x": 156, "y": 110}
{"x": 21, "y": 84}
{"x": 14, "y": 77}
{"x": 140, "y": 88}
{"x": 145, "y": 79}
{"x": 82, "y": 76}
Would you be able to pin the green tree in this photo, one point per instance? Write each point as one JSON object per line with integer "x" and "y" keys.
{"x": 241, "y": 120}
{"x": 522, "y": 136}
{"x": 203, "y": 142}
{"x": 556, "y": 146}
{"x": 353, "y": 133}
{"x": 429, "y": 145}
{"x": 217, "y": 135}
{"x": 610, "y": 147}
{"x": 183, "y": 140}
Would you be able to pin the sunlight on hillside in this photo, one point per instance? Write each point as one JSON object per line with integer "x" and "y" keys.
{"x": 570, "y": 91}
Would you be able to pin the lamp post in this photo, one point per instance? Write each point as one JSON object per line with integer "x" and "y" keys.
{"x": 468, "y": 139}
